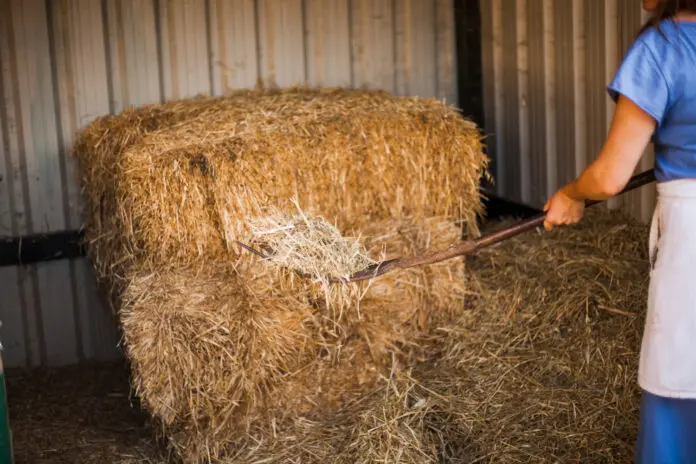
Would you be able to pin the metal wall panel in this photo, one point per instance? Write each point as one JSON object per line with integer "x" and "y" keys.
{"x": 415, "y": 25}
{"x": 53, "y": 81}
{"x": 234, "y": 44}
{"x": 546, "y": 64}
{"x": 65, "y": 62}
{"x": 327, "y": 35}
{"x": 281, "y": 36}
{"x": 132, "y": 53}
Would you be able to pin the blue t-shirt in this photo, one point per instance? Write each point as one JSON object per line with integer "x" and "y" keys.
{"x": 659, "y": 75}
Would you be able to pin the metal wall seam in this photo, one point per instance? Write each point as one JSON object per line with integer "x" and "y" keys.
{"x": 565, "y": 93}
{"x": 510, "y": 132}
{"x": 550, "y": 85}
{"x": 281, "y": 35}
{"x": 581, "y": 88}
{"x": 595, "y": 63}
{"x": 234, "y": 61}
{"x": 536, "y": 101}
{"x": 523, "y": 98}
{"x": 491, "y": 89}
{"x": 445, "y": 51}
{"x": 327, "y": 43}
{"x": 416, "y": 19}
{"x": 611, "y": 62}
{"x": 373, "y": 40}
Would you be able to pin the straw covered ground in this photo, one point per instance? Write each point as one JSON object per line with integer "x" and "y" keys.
{"x": 539, "y": 367}
{"x": 227, "y": 350}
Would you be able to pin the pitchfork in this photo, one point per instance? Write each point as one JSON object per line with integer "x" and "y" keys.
{"x": 466, "y": 247}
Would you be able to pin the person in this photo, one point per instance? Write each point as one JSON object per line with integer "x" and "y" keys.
{"x": 655, "y": 94}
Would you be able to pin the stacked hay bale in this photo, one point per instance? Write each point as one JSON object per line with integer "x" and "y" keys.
{"x": 227, "y": 352}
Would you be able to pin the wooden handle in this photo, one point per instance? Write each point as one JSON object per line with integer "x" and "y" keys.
{"x": 468, "y": 247}
{"x": 636, "y": 181}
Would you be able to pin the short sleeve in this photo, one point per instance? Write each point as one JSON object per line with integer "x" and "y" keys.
{"x": 641, "y": 80}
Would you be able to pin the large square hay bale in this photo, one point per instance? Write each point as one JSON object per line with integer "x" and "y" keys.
{"x": 224, "y": 349}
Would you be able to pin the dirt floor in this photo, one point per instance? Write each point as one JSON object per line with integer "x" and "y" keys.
{"x": 78, "y": 415}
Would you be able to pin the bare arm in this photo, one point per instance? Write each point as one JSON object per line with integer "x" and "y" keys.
{"x": 629, "y": 134}
{"x": 605, "y": 177}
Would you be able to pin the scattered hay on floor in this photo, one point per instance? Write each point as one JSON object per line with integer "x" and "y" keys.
{"x": 544, "y": 368}
{"x": 79, "y": 414}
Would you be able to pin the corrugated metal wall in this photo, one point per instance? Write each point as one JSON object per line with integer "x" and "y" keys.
{"x": 65, "y": 62}
{"x": 546, "y": 64}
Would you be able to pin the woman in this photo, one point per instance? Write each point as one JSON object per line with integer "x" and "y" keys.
{"x": 655, "y": 91}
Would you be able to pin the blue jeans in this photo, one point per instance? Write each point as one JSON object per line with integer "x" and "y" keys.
{"x": 667, "y": 431}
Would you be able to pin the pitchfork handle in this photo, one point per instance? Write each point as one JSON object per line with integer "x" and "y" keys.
{"x": 636, "y": 181}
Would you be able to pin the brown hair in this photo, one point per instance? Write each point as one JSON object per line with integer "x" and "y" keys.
{"x": 667, "y": 9}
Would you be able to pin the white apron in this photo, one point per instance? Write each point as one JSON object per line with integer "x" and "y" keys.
{"x": 668, "y": 352}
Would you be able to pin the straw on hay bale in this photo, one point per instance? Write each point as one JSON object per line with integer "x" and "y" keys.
{"x": 314, "y": 249}
{"x": 309, "y": 245}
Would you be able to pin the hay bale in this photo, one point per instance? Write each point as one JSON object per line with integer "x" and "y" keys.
{"x": 225, "y": 349}
{"x": 172, "y": 184}
{"x": 216, "y": 354}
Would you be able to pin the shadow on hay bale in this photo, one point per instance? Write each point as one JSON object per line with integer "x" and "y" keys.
{"x": 226, "y": 351}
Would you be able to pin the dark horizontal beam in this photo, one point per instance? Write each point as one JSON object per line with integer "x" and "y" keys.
{"x": 30, "y": 249}
{"x": 501, "y": 208}
{"x": 69, "y": 244}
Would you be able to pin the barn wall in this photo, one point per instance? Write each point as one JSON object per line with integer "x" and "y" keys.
{"x": 546, "y": 64}
{"x": 65, "y": 62}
